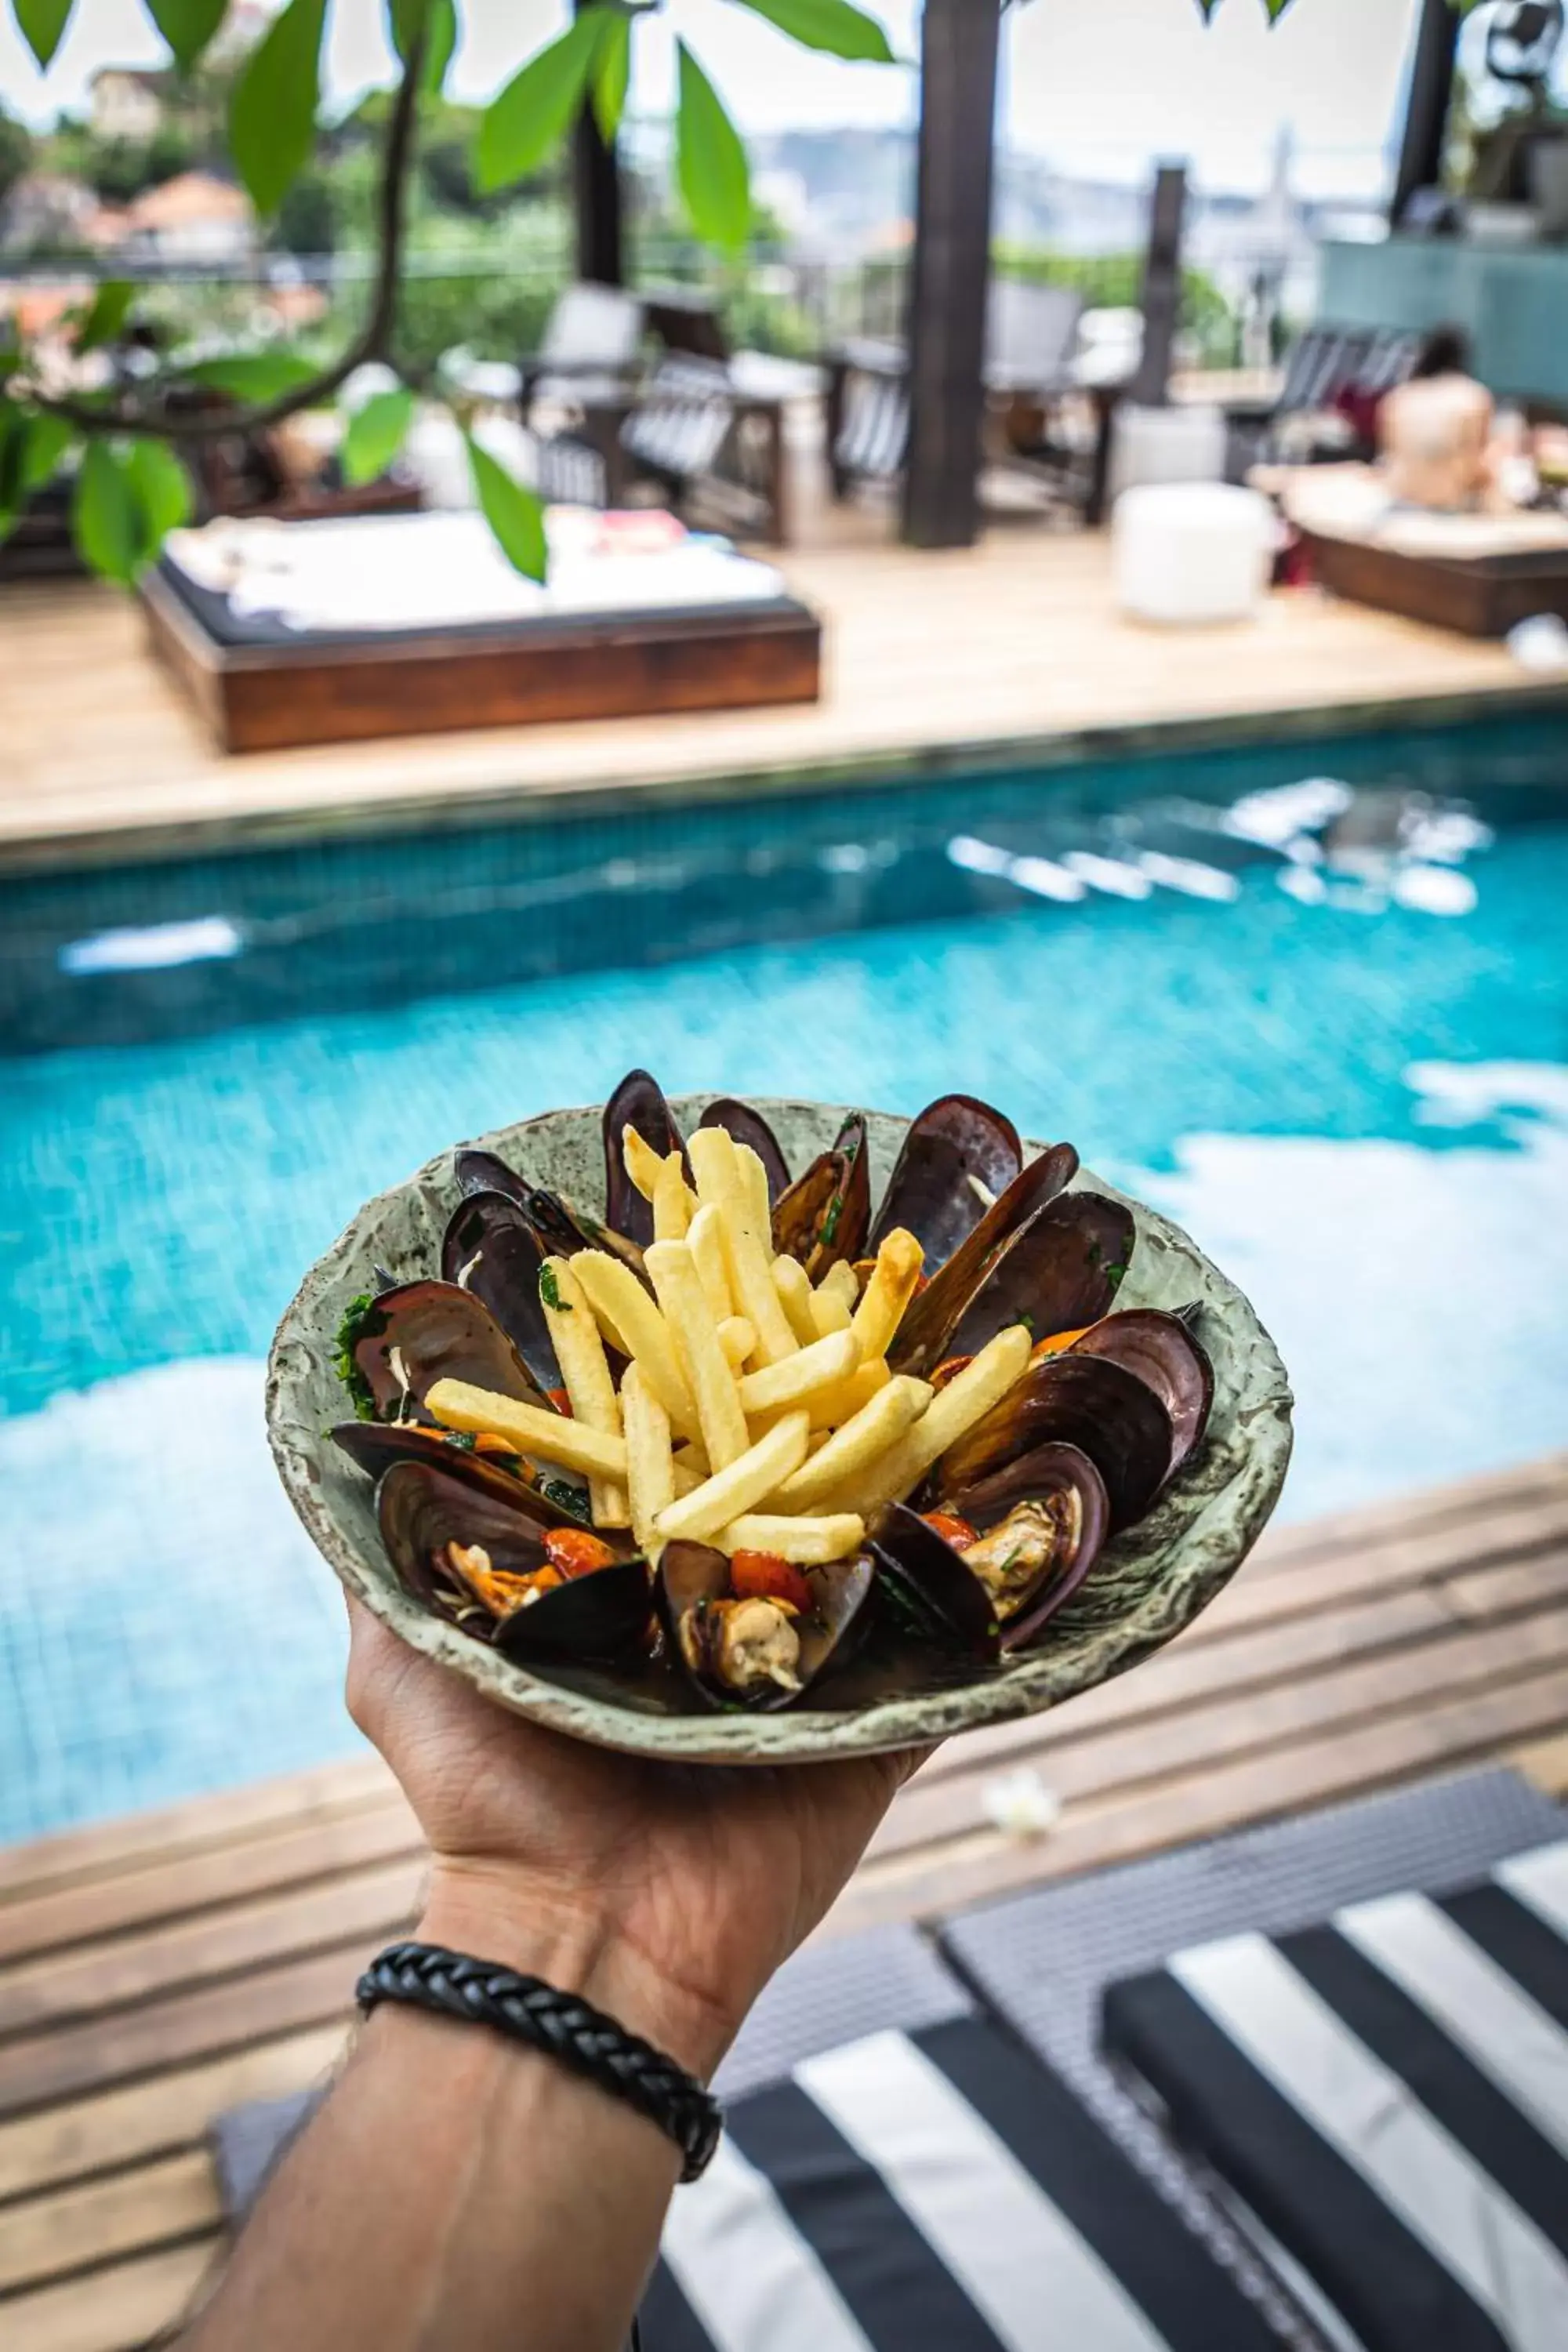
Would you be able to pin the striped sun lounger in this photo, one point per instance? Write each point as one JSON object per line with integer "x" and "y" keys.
{"x": 1385, "y": 2096}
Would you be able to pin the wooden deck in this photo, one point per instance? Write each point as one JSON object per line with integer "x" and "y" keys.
{"x": 1006, "y": 653}
{"x": 156, "y": 1971}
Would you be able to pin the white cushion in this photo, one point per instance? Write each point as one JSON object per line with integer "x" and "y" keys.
{"x": 1191, "y": 551}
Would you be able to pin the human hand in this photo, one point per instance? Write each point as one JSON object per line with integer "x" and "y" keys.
{"x": 666, "y": 1894}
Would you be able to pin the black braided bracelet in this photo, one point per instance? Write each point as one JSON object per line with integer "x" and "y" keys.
{"x": 562, "y": 2025}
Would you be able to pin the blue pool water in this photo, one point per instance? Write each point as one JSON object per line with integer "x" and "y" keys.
{"x": 1359, "y": 1106}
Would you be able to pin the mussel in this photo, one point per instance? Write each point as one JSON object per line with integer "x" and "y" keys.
{"x": 482, "y": 1171}
{"x": 826, "y": 1214}
{"x": 747, "y": 1125}
{"x": 1087, "y": 1402}
{"x": 638, "y": 1102}
{"x": 492, "y": 1250}
{"x": 401, "y": 1342}
{"x": 1162, "y": 1352}
{"x": 763, "y": 1644}
{"x": 513, "y": 1572}
{"x": 999, "y": 1558}
{"x": 925, "y": 1335}
{"x": 1062, "y": 1272}
{"x": 374, "y": 1446}
{"x": 956, "y": 1159}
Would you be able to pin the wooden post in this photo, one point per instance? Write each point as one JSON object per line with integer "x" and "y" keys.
{"x": 1426, "y": 107}
{"x": 950, "y": 272}
{"x": 597, "y": 196}
{"x": 1161, "y": 301}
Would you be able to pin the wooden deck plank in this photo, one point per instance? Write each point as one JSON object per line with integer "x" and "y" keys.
{"x": 116, "y": 2309}
{"x": 98, "y": 2221}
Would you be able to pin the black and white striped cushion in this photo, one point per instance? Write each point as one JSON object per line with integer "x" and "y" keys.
{"x": 1388, "y": 2095}
{"x": 931, "y": 2191}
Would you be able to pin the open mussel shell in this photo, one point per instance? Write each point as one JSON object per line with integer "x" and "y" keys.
{"x": 957, "y": 1156}
{"x": 374, "y": 1446}
{"x": 1063, "y": 1271}
{"x": 826, "y": 1214}
{"x": 437, "y": 1332}
{"x": 638, "y": 1102}
{"x": 1071, "y": 1499}
{"x": 747, "y": 1125}
{"x": 491, "y": 1250}
{"x": 1072, "y": 1399}
{"x": 927, "y": 1588}
{"x": 925, "y": 1336}
{"x": 421, "y": 1508}
{"x": 692, "y": 1576}
{"x": 1161, "y": 1351}
{"x": 482, "y": 1171}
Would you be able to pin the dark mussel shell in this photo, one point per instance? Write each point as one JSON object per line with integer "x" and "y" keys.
{"x": 563, "y": 1229}
{"x": 481, "y": 1171}
{"x": 1082, "y": 1401}
{"x": 826, "y": 1214}
{"x": 492, "y": 1250}
{"x": 422, "y": 1508}
{"x": 923, "y": 1579}
{"x": 691, "y": 1574}
{"x": 1161, "y": 1351}
{"x": 375, "y": 1445}
{"x": 1063, "y": 1271}
{"x": 929, "y": 1193}
{"x": 1052, "y": 1469}
{"x": 638, "y": 1102}
{"x": 924, "y": 1335}
{"x": 442, "y": 1333}
{"x": 747, "y": 1125}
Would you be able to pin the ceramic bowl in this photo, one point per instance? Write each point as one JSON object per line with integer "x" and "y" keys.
{"x": 1149, "y": 1584}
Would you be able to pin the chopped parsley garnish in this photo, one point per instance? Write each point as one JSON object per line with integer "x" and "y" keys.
{"x": 830, "y": 1234}
{"x": 566, "y": 1498}
{"x": 1113, "y": 1275}
{"x": 1029, "y": 1325}
{"x": 463, "y": 1439}
{"x": 362, "y": 1320}
{"x": 550, "y": 1291}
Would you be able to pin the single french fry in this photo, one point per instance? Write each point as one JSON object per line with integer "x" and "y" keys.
{"x": 579, "y": 1352}
{"x": 650, "y": 1465}
{"x": 795, "y": 1295}
{"x": 982, "y": 1382}
{"x": 693, "y": 1456}
{"x": 831, "y": 1408}
{"x": 754, "y": 1185}
{"x": 852, "y": 1450}
{"x": 749, "y": 1249}
{"x": 672, "y": 1201}
{"x": 633, "y": 1324}
{"x": 696, "y": 1518}
{"x": 712, "y": 1152}
{"x": 672, "y": 1270}
{"x": 830, "y": 1310}
{"x": 807, "y": 1542}
{"x": 738, "y": 1338}
{"x": 900, "y": 1262}
{"x": 705, "y": 1236}
{"x": 826, "y": 1364}
{"x": 842, "y": 1279}
{"x": 644, "y": 1164}
{"x": 686, "y": 1480}
{"x": 544, "y": 1437}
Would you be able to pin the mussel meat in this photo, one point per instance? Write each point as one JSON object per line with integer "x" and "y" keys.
{"x": 511, "y": 1571}
{"x": 957, "y": 1158}
{"x": 1162, "y": 1352}
{"x": 1030, "y": 1534}
{"x": 758, "y": 1641}
{"x": 492, "y": 1250}
{"x": 1073, "y": 1400}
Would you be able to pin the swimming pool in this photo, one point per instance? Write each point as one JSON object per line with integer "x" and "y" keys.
{"x": 1326, "y": 1028}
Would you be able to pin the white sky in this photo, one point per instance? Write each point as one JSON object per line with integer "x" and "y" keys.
{"x": 1098, "y": 86}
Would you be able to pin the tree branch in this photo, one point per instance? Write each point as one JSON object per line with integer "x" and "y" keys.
{"x": 370, "y": 343}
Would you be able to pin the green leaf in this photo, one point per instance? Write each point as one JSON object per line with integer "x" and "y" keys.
{"x": 272, "y": 114}
{"x": 187, "y": 26}
{"x": 1276, "y": 9}
{"x": 42, "y": 22}
{"x": 253, "y": 375}
{"x": 44, "y": 442}
{"x": 612, "y": 73}
{"x": 521, "y": 128}
{"x": 161, "y": 488}
{"x": 375, "y": 435}
{"x": 512, "y": 513}
{"x": 709, "y": 160}
{"x": 440, "y": 18}
{"x": 106, "y": 314}
{"x": 832, "y": 24}
{"x": 106, "y": 516}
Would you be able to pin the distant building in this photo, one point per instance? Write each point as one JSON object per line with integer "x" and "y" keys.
{"x": 46, "y": 210}
{"x": 194, "y": 218}
{"x": 128, "y": 104}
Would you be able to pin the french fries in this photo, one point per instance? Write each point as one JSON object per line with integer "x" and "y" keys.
{"x": 982, "y": 1382}
{"x": 748, "y": 1244}
{"x": 705, "y": 1237}
{"x": 830, "y": 1310}
{"x": 635, "y": 1325}
{"x": 672, "y": 1202}
{"x": 795, "y": 1296}
{"x": 672, "y": 1270}
{"x": 650, "y": 1465}
{"x": 899, "y": 1264}
{"x": 841, "y": 1279}
{"x": 579, "y": 1352}
{"x": 830, "y": 1408}
{"x": 543, "y": 1435}
{"x": 824, "y": 1365}
{"x": 730, "y": 1492}
{"x": 738, "y": 1338}
{"x": 854, "y": 1448}
{"x": 644, "y": 1165}
{"x": 806, "y": 1542}
{"x": 754, "y": 1186}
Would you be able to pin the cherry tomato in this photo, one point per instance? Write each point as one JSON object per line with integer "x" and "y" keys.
{"x": 951, "y": 1529}
{"x": 575, "y": 1552}
{"x": 560, "y": 1401}
{"x": 949, "y": 1371}
{"x": 764, "y": 1576}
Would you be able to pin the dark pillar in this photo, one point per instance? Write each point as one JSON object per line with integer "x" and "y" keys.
{"x": 952, "y": 269}
{"x": 1427, "y": 108}
{"x": 1161, "y": 301}
{"x": 596, "y": 194}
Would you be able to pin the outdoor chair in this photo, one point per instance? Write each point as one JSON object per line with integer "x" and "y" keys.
{"x": 589, "y": 349}
{"x": 1333, "y": 372}
{"x": 690, "y": 432}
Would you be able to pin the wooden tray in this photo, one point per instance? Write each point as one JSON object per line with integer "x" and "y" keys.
{"x": 1479, "y": 595}
{"x": 275, "y": 695}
